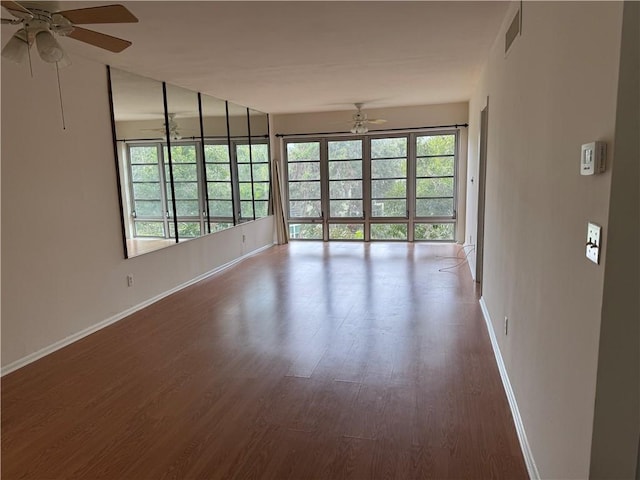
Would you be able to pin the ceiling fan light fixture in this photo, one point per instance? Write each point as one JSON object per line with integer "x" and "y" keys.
{"x": 174, "y": 137}
{"x": 15, "y": 50}
{"x": 359, "y": 129}
{"x": 48, "y": 48}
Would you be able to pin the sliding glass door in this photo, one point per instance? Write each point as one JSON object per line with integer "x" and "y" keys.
{"x": 394, "y": 187}
{"x": 345, "y": 192}
{"x": 435, "y": 199}
{"x": 304, "y": 188}
{"x": 389, "y": 208}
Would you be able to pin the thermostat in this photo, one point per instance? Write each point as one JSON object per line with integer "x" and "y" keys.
{"x": 593, "y": 158}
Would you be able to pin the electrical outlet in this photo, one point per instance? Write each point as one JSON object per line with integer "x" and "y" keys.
{"x": 130, "y": 280}
{"x": 506, "y": 325}
{"x": 243, "y": 238}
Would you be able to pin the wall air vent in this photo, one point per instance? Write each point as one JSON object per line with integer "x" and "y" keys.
{"x": 512, "y": 32}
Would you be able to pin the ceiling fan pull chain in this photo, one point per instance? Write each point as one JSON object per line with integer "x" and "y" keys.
{"x": 64, "y": 126}
{"x": 26, "y": 33}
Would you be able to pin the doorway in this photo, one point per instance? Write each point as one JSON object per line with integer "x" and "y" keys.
{"x": 482, "y": 179}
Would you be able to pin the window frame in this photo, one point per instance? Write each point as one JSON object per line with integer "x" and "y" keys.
{"x": 204, "y": 217}
{"x": 455, "y": 176}
{"x": 411, "y": 220}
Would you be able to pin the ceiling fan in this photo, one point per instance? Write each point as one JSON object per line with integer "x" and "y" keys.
{"x": 174, "y": 132}
{"x": 360, "y": 120}
{"x": 40, "y": 24}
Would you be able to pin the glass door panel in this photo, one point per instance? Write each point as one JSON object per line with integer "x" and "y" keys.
{"x": 185, "y": 185}
{"x": 261, "y": 177}
{"x": 146, "y": 191}
{"x": 219, "y": 186}
{"x": 435, "y": 174}
{"x": 389, "y": 177}
{"x": 389, "y": 188}
{"x": 345, "y": 179}
{"x": 245, "y": 181}
{"x": 303, "y": 180}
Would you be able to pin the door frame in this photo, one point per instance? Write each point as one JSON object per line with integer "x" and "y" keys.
{"x": 482, "y": 180}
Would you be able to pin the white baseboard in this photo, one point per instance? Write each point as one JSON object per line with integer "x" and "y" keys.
{"x": 119, "y": 316}
{"x": 517, "y": 419}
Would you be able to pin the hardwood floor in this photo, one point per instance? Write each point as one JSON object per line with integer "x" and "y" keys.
{"x": 308, "y": 361}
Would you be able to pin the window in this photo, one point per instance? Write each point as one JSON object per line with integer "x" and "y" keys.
{"x": 219, "y": 186}
{"x": 389, "y": 177}
{"x": 435, "y": 173}
{"x": 345, "y": 179}
{"x": 392, "y": 187}
{"x": 188, "y": 164}
{"x": 303, "y": 168}
{"x": 253, "y": 180}
{"x": 186, "y": 181}
{"x": 203, "y": 187}
{"x": 147, "y": 199}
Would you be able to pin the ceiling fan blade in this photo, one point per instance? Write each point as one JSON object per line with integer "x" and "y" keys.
{"x": 113, "y": 44}
{"x": 105, "y": 14}
{"x": 17, "y": 10}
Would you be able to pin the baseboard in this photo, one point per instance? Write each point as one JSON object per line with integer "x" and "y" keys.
{"x": 517, "y": 419}
{"x": 119, "y": 316}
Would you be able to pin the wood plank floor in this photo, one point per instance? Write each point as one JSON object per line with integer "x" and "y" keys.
{"x": 308, "y": 361}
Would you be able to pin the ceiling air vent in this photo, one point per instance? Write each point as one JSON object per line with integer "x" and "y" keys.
{"x": 512, "y": 32}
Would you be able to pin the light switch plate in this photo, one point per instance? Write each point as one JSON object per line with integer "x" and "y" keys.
{"x": 594, "y": 243}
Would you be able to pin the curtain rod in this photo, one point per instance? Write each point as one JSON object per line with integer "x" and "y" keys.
{"x": 373, "y": 132}
{"x": 209, "y": 137}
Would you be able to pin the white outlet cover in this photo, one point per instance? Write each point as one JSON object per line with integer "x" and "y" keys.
{"x": 594, "y": 243}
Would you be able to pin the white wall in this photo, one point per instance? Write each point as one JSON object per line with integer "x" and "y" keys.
{"x": 616, "y": 431}
{"x": 63, "y": 267}
{"x": 401, "y": 117}
{"x": 555, "y": 90}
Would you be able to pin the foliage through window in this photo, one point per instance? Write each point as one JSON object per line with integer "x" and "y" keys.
{"x": 188, "y": 164}
{"x": 204, "y": 190}
{"x": 393, "y": 187}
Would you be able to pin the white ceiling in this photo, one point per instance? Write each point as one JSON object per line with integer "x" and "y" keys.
{"x": 302, "y": 56}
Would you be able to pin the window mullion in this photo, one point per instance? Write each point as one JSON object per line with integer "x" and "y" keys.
{"x": 132, "y": 198}
{"x": 203, "y": 203}
{"x": 324, "y": 187}
{"x": 367, "y": 206}
{"x": 411, "y": 184}
{"x": 253, "y": 192}
{"x": 204, "y": 207}
{"x": 233, "y": 157}
{"x": 163, "y": 190}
